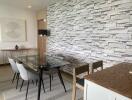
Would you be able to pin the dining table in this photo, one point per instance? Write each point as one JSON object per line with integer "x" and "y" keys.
{"x": 42, "y": 63}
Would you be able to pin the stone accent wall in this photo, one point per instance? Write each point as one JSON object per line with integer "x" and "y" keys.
{"x": 91, "y": 29}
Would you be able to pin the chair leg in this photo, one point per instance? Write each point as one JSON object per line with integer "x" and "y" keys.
{"x": 61, "y": 79}
{"x": 17, "y": 80}
{"x": 16, "y": 76}
{"x": 52, "y": 76}
{"x": 13, "y": 77}
{"x": 21, "y": 85}
{"x": 43, "y": 85}
{"x": 50, "y": 81}
{"x": 27, "y": 90}
{"x": 74, "y": 92}
{"x": 36, "y": 82}
{"x": 33, "y": 82}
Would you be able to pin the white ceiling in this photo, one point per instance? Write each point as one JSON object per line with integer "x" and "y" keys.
{"x": 36, "y": 4}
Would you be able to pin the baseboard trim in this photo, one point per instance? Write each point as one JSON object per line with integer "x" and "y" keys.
{"x": 4, "y": 64}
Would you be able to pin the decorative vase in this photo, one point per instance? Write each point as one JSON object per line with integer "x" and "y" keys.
{"x": 16, "y": 47}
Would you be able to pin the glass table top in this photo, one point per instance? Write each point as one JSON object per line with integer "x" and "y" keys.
{"x": 35, "y": 62}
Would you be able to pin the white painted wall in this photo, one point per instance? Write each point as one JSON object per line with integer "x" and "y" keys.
{"x": 31, "y": 25}
{"x": 7, "y": 11}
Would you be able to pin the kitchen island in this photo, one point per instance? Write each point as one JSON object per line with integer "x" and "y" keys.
{"x": 114, "y": 83}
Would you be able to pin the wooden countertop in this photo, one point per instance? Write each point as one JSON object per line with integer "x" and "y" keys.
{"x": 116, "y": 78}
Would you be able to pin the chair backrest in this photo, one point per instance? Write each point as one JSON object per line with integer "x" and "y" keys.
{"x": 13, "y": 65}
{"x": 79, "y": 70}
{"x": 96, "y": 65}
{"x": 23, "y": 71}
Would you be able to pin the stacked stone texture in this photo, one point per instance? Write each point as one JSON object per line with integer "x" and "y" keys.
{"x": 91, "y": 30}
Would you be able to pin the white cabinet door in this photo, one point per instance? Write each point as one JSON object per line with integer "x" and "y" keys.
{"x": 112, "y": 95}
{"x": 96, "y": 92}
{"x": 120, "y": 97}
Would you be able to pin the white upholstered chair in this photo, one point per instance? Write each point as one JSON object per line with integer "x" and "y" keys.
{"x": 28, "y": 76}
{"x": 15, "y": 70}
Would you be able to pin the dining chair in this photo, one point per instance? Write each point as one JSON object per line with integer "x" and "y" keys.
{"x": 78, "y": 82}
{"x": 15, "y": 70}
{"x": 79, "y": 70}
{"x": 28, "y": 76}
{"x": 97, "y": 66}
{"x": 50, "y": 72}
{"x": 53, "y": 71}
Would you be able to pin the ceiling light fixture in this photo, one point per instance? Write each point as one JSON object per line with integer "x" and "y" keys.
{"x": 29, "y": 6}
{"x": 44, "y": 20}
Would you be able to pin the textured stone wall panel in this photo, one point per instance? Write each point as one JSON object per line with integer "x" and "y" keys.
{"x": 91, "y": 29}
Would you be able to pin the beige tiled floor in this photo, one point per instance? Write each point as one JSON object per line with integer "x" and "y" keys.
{"x": 6, "y": 75}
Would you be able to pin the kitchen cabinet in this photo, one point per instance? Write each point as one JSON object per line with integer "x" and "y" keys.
{"x": 96, "y": 92}
{"x": 113, "y": 83}
{"x": 120, "y": 97}
{"x": 5, "y": 53}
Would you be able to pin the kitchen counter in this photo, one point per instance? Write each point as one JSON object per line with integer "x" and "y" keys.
{"x": 117, "y": 78}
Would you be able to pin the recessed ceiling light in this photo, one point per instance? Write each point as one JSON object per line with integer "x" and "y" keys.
{"x": 29, "y": 6}
{"x": 44, "y": 20}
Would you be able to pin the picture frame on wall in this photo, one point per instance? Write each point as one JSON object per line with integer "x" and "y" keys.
{"x": 13, "y": 30}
